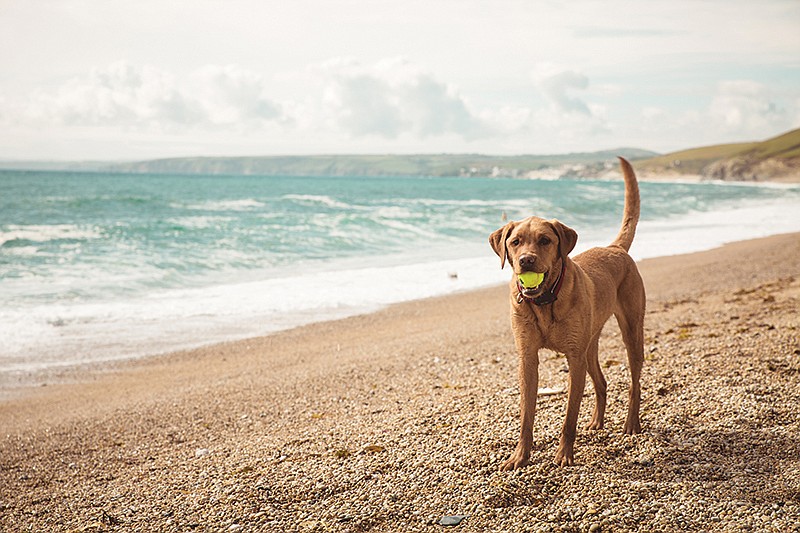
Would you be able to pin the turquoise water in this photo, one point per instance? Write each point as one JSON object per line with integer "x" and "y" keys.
{"x": 91, "y": 263}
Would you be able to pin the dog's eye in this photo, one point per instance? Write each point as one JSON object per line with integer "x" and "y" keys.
{"x": 544, "y": 241}
{"x": 515, "y": 242}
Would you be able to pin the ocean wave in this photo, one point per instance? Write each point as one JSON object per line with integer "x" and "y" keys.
{"x": 403, "y": 228}
{"x": 511, "y": 202}
{"x": 47, "y": 233}
{"x": 21, "y": 250}
{"x": 245, "y": 204}
{"x": 327, "y": 201}
{"x": 119, "y": 278}
{"x": 393, "y": 212}
{"x": 199, "y": 222}
{"x": 171, "y": 318}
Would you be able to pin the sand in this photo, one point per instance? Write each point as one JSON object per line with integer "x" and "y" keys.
{"x": 393, "y": 420}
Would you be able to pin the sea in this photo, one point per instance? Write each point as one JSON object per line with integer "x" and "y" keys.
{"x": 98, "y": 267}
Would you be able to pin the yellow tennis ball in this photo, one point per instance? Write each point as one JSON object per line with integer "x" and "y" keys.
{"x": 531, "y": 280}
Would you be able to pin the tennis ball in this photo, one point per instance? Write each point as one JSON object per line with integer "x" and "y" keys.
{"x": 531, "y": 280}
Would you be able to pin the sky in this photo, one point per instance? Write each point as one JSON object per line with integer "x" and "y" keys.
{"x": 145, "y": 79}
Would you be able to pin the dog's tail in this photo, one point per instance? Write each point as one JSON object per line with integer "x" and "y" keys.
{"x": 630, "y": 215}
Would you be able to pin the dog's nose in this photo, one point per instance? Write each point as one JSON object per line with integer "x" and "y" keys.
{"x": 527, "y": 261}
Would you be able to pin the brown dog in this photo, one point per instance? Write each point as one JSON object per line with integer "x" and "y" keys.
{"x": 567, "y": 311}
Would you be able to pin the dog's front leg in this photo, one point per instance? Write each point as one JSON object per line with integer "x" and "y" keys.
{"x": 528, "y": 390}
{"x": 577, "y": 382}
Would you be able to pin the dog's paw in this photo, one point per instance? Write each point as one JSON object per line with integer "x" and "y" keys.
{"x": 517, "y": 460}
{"x": 595, "y": 425}
{"x": 564, "y": 456}
{"x": 632, "y": 427}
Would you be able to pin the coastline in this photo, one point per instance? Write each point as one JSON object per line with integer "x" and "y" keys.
{"x": 156, "y": 299}
{"x": 675, "y": 177}
{"x": 393, "y": 419}
{"x": 672, "y": 176}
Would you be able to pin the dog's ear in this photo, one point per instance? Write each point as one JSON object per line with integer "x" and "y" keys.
{"x": 567, "y": 237}
{"x": 498, "y": 242}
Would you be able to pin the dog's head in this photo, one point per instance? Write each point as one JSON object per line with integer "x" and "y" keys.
{"x": 534, "y": 245}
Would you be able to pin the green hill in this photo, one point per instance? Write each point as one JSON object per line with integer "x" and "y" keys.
{"x": 786, "y": 146}
{"x": 777, "y": 158}
{"x": 382, "y": 165}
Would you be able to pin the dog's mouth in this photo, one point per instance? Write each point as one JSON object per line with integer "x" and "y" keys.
{"x": 531, "y": 284}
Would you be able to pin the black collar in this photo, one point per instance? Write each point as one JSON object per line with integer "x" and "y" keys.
{"x": 549, "y": 296}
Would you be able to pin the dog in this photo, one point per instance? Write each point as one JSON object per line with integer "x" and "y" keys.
{"x": 567, "y": 311}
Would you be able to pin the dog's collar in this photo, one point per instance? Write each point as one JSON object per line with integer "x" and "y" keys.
{"x": 546, "y": 297}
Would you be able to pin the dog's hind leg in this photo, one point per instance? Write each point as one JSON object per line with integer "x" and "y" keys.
{"x": 600, "y": 386}
{"x": 631, "y": 323}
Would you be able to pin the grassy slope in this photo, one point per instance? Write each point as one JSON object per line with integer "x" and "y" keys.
{"x": 786, "y": 146}
{"x": 693, "y": 161}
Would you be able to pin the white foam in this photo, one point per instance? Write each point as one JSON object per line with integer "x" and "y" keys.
{"x": 45, "y": 233}
{"x": 705, "y": 230}
{"x": 173, "y": 319}
{"x": 199, "y": 222}
{"x": 73, "y": 332}
{"x": 327, "y": 201}
{"x": 22, "y": 250}
{"x": 246, "y": 204}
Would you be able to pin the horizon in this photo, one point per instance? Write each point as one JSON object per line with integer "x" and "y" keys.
{"x": 148, "y": 80}
{"x": 310, "y": 155}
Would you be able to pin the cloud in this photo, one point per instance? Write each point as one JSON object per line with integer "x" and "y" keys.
{"x": 364, "y": 105}
{"x": 141, "y": 97}
{"x": 747, "y": 106}
{"x": 389, "y": 105}
{"x": 392, "y": 98}
{"x": 230, "y": 94}
{"x": 388, "y": 99}
{"x": 568, "y": 121}
{"x": 556, "y": 88}
{"x": 115, "y": 95}
{"x": 737, "y": 111}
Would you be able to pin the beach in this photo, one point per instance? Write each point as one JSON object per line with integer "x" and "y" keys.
{"x": 392, "y": 420}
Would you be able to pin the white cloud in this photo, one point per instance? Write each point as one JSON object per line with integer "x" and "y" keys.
{"x": 569, "y": 121}
{"x": 342, "y": 101}
{"x": 389, "y": 105}
{"x": 464, "y": 87}
{"x": 133, "y": 97}
{"x": 389, "y": 99}
{"x": 394, "y": 97}
{"x": 747, "y": 106}
{"x": 362, "y": 104}
{"x": 738, "y": 111}
{"x": 119, "y": 94}
{"x": 557, "y": 88}
{"x": 231, "y": 94}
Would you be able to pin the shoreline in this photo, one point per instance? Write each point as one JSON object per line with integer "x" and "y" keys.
{"x": 21, "y": 383}
{"x": 787, "y": 180}
{"x": 390, "y": 420}
{"x": 14, "y": 379}
{"x": 155, "y": 310}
